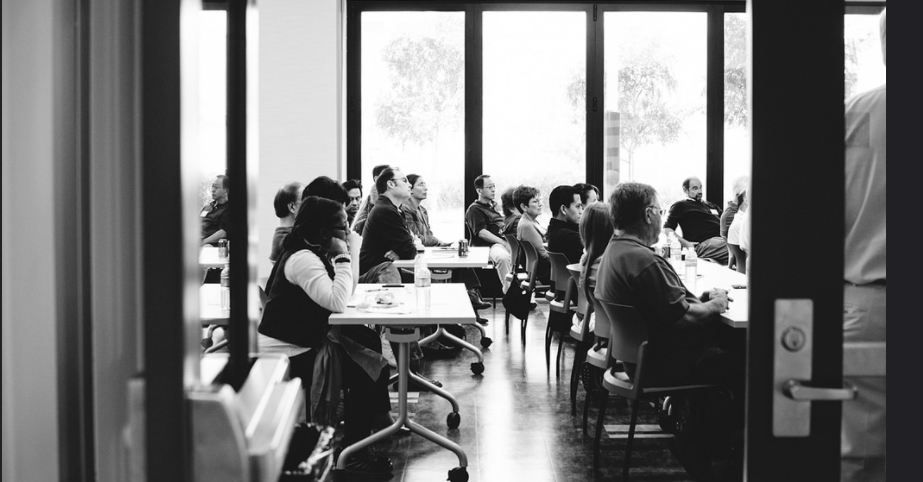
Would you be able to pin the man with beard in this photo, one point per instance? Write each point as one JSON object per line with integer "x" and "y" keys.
{"x": 700, "y": 222}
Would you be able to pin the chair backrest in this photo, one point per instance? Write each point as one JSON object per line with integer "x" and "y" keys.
{"x": 601, "y": 327}
{"x": 531, "y": 260}
{"x": 515, "y": 250}
{"x": 582, "y": 303}
{"x": 627, "y": 331}
{"x": 561, "y": 277}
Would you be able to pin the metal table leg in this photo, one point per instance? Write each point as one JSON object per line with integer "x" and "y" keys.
{"x": 477, "y": 367}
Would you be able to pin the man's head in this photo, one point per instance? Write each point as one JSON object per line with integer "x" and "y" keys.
{"x": 588, "y": 193}
{"x": 393, "y": 183}
{"x": 882, "y": 24}
{"x": 323, "y": 186}
{"x": 506, "y": 202}
{"x": 528, "y": 200}
{"x": 692, "y": 186}
{"x": 485, "y": 187}
{"x": 220, "y": 188}
{"x": 376, "y": 171}
{"x": 417, "y": 187}
{"x": 636, "y": 210}
{"x": 288, "y": 199}
{"x": 565, "y": 204}
{"x": 354, "y": 191}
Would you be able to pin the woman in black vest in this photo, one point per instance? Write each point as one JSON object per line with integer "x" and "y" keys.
{"x": 313, "y": 277}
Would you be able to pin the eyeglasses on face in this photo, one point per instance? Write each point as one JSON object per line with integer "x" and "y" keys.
{"x": 657, "y": 209}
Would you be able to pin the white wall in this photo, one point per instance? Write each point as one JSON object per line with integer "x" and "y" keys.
{"x": 31, "y": 134}
{"x": 300, "y": 98}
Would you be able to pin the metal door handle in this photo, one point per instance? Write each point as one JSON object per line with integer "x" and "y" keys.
{"x": 796, "y": 391}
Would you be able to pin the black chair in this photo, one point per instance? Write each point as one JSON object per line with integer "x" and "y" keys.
{"x": 627, "y": 343}
{"x": 562, "y": 303}
{"x": 581, "y": 333}
{"x": 517, "y": 272}
{"x": 532, "y": 285}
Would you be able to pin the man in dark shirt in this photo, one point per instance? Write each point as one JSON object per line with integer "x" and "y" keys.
{"x": 216, "y": 218}
{"x": 354, "y": 191}
{"x": 385, "y": 237}
{"x": 563, "y": 231}
{"x": 485, "y": 225}
{"x": 700, "y": 222}
{"x": 682, "y": 329}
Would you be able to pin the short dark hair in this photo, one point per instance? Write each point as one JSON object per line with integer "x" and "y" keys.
{"x": 284, "y": 196}
{"x": 687, "y": 181}
{"x": 524, "y": 194}
{"x": 381, "y": 182}
{"x": 351, "y": 184}
{"x": 323, "y": 186}
{"x": 412, "y": 179}
{"x": 506, "y": 202}
{"x": 377, "y": 170}
{"x": 628, "y": 202}
{"x": 225, "y": 181}
{"x": 584, "y": 190}
{"x": 561, "y": 196}
{"x": 479, "y": 181}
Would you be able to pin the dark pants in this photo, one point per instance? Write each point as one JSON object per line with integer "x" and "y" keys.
{"x": 365, "y": 398}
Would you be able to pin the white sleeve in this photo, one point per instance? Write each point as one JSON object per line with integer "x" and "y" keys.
{"x": 355, "y": 242}
{"x": 734, "y": 229}
{"x": 744, "y": 235}
{"x": 305, "y": 269}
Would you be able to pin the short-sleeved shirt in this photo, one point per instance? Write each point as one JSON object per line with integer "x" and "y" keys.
{"x": 214, "y": 217}
{"x": 699, "y": 220}
{"x": 631, "y": 274}
{"x": 482, "y": 216}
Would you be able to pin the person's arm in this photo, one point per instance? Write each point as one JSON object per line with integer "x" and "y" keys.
{"x": 219, "y": 234}
{"x": 478, "y": 226}
{"x": 399, "y": 238}
{"x": 699, "y": 313}
{"x": 739, "y": 257}
{"x": 306, "y": 270}
{"x": 355, "y": 242}
{"x": 672, "y": 222}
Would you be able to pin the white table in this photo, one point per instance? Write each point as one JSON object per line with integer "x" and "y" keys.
{"x": 447, "y": 258}
{"x": 716, "y": 276}
{"x": 208, "y": 258}
{"x": 449, "y": 304}
{"x": 210, "y": 312}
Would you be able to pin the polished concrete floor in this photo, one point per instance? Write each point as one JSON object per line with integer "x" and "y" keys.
{"x": 516, "y": 422}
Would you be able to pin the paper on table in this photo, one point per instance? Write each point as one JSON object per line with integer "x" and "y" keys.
{"x": 398, "y": 308}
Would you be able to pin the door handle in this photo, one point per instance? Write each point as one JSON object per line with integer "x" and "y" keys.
{"x": 796, "y": 391}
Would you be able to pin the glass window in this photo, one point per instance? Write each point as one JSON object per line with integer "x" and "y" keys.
{"x": 737, "y": 159}
{"x": 213, "y": 55}
{"x": 413, "y": 103}
{"x": 865, "y": 68}
{"x": 655, "y": 88}
{"x": 534, "y": 100}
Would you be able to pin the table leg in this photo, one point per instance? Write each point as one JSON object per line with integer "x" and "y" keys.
{"x": 440, "y": 331}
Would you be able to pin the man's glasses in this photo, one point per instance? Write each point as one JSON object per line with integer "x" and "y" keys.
{"x": 343, "y": 228}
{"x": 657, "y": 209}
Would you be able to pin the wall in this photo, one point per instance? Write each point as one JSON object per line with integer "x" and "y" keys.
{"x": 300, "y": 97}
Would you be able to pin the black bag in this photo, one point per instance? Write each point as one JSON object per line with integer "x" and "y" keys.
{"x": 517, "y": 300}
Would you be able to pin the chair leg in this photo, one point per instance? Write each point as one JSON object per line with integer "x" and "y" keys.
{"x": 575, "y": 379}
{"x": 557, "y": 366}
{"x": 548, "y": 336}
{"x": 506, "y": 321}
{"x": 604, "y": 400}
{"x": 631, "y": 436}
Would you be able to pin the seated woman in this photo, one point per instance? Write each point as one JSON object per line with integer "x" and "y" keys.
{"x": 595, "y": 231}
{"x": 529, "y": 200}
{"x": 312, "y": 278}
{"x": 736, "y": 252}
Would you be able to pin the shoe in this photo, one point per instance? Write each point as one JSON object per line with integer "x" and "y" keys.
{"x": 481, "y": 321}
{"x": 476, "y": 302}
{"x": 532, "y": 306}
{"x": 366, "y": 463}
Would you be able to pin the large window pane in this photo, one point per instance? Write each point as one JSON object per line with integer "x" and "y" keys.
{"x": 865, "y": 68}
{"x": 413, "y": 100}
{"x": 736, "y": 138}
{"x": 534, "y": 100}
{"x": 213, "y": 57}
{"x": 655, "y": 100}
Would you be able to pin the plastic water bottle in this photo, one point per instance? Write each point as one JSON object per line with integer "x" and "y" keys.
{"x": 422, "y": 279}
{"x": 665, "y": 247}
{"x": 676, "y": 256}
{"x": 691, "y": 269}
{"x": 226, "y": 288}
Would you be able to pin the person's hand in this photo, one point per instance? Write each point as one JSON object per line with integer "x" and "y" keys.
{"x": 720, "y": 298}
{"x": 338, "y": 246}
{"x": 392, "y": 256}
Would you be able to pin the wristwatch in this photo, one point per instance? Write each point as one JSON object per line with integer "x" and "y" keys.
{"x": 341, "y": 258}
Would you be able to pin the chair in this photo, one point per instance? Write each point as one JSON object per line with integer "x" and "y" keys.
{"x": 532, "y": 285}
{"x": 597, "y": 355}
{"x": 563, "y": 305}
{"x": 581, "y": 333}
{"x": 516, "y": 269}
{"x": 627, "y": 343}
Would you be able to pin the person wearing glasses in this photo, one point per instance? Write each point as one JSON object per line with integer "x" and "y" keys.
{"x": 683, "y": 330}
{"x": 362, "y": 214}
{"x": 216, "y": 217}
{"x": 286, "y": 204}
{"x": 313, "y": 278}
{"x": 700, "y": 222}
{"x": 529, "y": 200}
{"x": 385, "y": 238}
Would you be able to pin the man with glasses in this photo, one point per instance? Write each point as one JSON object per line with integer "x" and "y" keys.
{"x": 286, "y": 204}
{"x": 385, "y": 238}
{"x": 485, "y": 224}
{"x": 700, "y": 221}
{"x": 358, "y": 223}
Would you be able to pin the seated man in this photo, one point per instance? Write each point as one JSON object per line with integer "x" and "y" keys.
{"x": 529, "y": 200}
{"x": 700, "y": 222}
{"x": 365, "y": 208}
{"x": 354, "y": 190}
{"x": 563, "y": 229}
{"x": 286, "y": 204}
{"x": 485, "y": 224}
{"x": 385, "y": 237}
{"x": 682, "y": 329}
{"x": 417, "y": 221}
{"x": 216, "y": 218}
{"x": 588, "y": 193}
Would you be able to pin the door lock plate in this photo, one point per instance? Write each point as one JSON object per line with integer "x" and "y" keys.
{"x": 793, "y": 349}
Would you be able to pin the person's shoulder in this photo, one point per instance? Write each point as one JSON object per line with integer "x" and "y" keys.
{"x": 871, "y": 96}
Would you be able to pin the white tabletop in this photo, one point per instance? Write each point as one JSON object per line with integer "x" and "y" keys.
{"x": 449, "y": 304}
{"x": 208, "y": 258}
{"x": 447, "y": 258}
{"x": 210, "y": 312}
{"x": 716, "y": 276}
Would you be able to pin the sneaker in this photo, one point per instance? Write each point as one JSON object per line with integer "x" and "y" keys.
{"x": 366, "y": 463}
{"x": 476, "y": 302}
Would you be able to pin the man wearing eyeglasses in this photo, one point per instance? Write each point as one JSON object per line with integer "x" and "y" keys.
{"x": 286, "y": 204}
{"x": 385, "y": 237}
{"x": 700, "y": 222}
